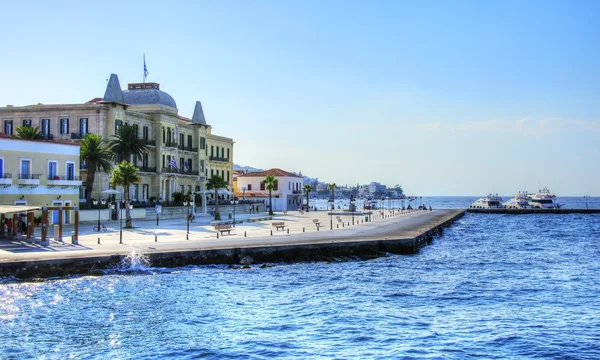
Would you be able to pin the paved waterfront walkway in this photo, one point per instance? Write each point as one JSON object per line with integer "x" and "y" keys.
{"x": 171, "y": 234}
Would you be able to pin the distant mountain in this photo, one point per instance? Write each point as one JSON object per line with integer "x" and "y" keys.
{"x": 246, "y": 168}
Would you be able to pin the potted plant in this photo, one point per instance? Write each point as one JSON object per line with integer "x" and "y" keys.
{"x": 37, "y": 220}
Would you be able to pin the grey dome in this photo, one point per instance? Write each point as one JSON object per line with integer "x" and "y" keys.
{"x": 147, "y": 94}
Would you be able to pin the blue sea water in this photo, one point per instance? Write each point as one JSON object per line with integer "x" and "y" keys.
{"x": 492, "y": 286}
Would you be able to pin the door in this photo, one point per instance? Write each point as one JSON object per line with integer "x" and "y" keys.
{"x": 68, "y": 213}
{"x": 70, "y": 171}
{"x": 55, "y": 212}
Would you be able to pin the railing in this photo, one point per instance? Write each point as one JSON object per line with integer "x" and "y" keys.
{"x": 218, "y": 158}
{"x": 30, "y": 176}
{"x": 64, "y": 177}
{"x": 296, "y": 191}
{"x": 171, "y": 144}
{"x": 150, "y": 142}
{"x": 170, "y": 170}
{"x": 6, "y": 175}
{"x": 147, "y": 169}
{"x": 187, "y": 148}
{"x": 76, "y": 136}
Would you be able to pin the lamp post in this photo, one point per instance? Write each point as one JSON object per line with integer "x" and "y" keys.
{"x": 352, "y": 200}
{"x": 586, "y": 197}
{"x": 121, "y": 221}
{"x": 234, "y": 201}
{"x": 158, "y": 209}
{"x": 332, "y": 206}
{"x": 187, "y": 203}
{"x": 103, "y": 202}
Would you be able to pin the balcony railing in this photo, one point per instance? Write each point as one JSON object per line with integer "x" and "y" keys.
{"x": 29, "y": 176}
{"x": 187, "y": 148}
{"x": 6, "y": 179}
{"x": 172, "y": 144}
{"x": 296, "y": 191}
{"x": 149, "y": 142}
{"x": 147, "y": 169}
{"x": 32, "y": 180}
{"x": 218, "y": 158}
{"x": 64, "y": 178}
{"x": 171, "y": 170}
{"x": 77, "y": 136}
{"x": 6, "y": 176}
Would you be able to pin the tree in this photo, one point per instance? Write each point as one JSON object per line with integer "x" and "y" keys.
{"x": 126, "y": 143}
{"x": 271, "y": 184}
{"x": 308, "y": 189}
{"x": 332, "y": 187}
{"x": 125, "y": 174}
{"x": 215, "y": 183}
{"x": 28, "y": 132}
{"x": 97, "y": 156}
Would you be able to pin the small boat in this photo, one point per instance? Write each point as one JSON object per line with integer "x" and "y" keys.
{"x": 520, "y": 201}
{"x": 544, "y": 199}
{"x": 491, "y": 201}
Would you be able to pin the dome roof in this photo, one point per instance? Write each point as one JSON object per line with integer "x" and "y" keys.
{"x": 147, "y": 94}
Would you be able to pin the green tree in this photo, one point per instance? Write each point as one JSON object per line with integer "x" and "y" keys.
{"x": 215, "y": 183}
{"x": 271, "y": 184}
{"x": 28, "y": 132}
{"x": 126, "y": 143}
{"x": 97, "y": 156}
{"x": 125, "y": 174}
{"x": 307, "y": 189}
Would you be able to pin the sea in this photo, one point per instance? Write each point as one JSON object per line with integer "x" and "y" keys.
{"x": 492, "y": 286}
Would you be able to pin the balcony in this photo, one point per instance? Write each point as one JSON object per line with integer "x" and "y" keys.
{"x": 32, "y": 180}
{"x": 218, "y": 158}
{"x": 63, "y": 181}
{"x": 171, "y": 170}
{"x": 6, "y": 179}
{"x": 171, "y": 144}
{"x": 188, "y": 148}
{"x": 149, "y": 142}
{"x": 77, "y": 136}
{"x": 147, "y": 169}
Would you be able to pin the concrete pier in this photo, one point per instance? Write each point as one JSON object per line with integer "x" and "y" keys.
{"x": 534, "y": 211}
{"x": 166, "y": 245}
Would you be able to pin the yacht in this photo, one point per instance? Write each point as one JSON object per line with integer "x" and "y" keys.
{"x": 544, "y": 199}
{"x": 520, "y": 201}
{"x": 491, "y": 201}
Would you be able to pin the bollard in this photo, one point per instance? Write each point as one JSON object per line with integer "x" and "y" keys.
{"x": 288, "y": 230}
{"x": 217, "y": 235}
{"x": 271, "y": 232}
{"x": 98, "y": 241}
{"x": 155, "y": 238}
{"x": 318, "y": 227}
{"x": 343, "y": 224}
{"x": 187, "y": 236}
{"x": 302, "y": 229}
{"x": 244, "y": 234}
{"x": 338, "y": 225}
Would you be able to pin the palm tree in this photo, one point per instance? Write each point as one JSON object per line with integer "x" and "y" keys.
{"x": 126, "y": 143}
{"x": 28, "y": 132}
{"x": 215, "y": 183}
{"x": 307, "y": 189}
{"x": 97, "y": 156}
{"x": 332, "y": 187}
{"x": 271, "y": 184}
{"x": 125, "y": 174}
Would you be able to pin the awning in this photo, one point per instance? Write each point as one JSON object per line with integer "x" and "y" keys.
{"x": 12, "y": 209}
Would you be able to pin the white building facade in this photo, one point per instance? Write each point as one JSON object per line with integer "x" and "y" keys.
{"x": 287, "y": 195}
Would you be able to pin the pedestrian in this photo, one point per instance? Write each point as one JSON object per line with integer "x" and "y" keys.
{"x": 430, "y": 208}
{"x": 9, "y": 225}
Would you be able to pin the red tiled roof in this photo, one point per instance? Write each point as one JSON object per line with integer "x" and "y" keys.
{"x": 95, "y": 100}
{"x": 273, "y": 172}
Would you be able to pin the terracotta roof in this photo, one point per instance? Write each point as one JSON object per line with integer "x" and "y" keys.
{"x": 95, "y": 100}
{"x": 273, "y": 172}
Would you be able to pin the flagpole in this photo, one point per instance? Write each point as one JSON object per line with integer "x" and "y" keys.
{"x": 144, "y": 70}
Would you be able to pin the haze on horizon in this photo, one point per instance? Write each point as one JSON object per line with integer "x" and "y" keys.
{"x": 444, "y": 98}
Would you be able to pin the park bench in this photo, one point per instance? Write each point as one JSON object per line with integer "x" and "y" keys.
{"x": 223, "y": 228}
{"x": 279, "y": 225}
{"x": 339, "y": 219}
{"x": 317, "y": 222}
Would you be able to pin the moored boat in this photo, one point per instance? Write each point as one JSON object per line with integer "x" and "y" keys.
{"x": 491, "y": 201}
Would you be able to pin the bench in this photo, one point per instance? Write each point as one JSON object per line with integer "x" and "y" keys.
{"x": 339, "y": 219}
{"x": 317, "y": 222}
{"x": 279, "y": 225}
{"x": 223, "y": 228}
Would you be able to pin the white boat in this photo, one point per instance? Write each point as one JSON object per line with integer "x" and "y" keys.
{"x": 491, "y": 201}
{"x": 520, "y": 201}
{"x": 544, "y": 199}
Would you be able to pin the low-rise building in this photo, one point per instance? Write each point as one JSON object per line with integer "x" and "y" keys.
{"x": 39, "y": 173}
{"x": 287, "y": 194}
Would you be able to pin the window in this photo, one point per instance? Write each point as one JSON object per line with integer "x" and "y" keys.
{"x": 145, "y": 191}
{"x": 227, "y": 154}
{"x": 83, "y": 126}
{"x": 8, "y": 127}
{"x": 181, "y": 139}
{"x": 189, "y": 140}
{"x": 145, "y": 160}
{"x": 46, "y": 127}
{"x": 135, "y": 130}
{"x": 52, "y": 170}
{"x": 189, "y": 162}
{"x": 70, "y": 171}
{"x": 135, "y": 160}
{"x": 64, "y": 126}
{"x": 168, "y": 135}
{"x": 212, "y": 150}
{"x": 163, "y": 163}
{"x": 289, "y": 186}
{"x": 27, "y": 123}
{"x": 223, "y": 174}
{"x": 201, "y": 165}
{"x": 145, "y": 133}
{"x": 276, "y": 186}
{"x": 163, "y": 134}
{"x": 222, "y": 152}
{"x": 134, "y": 192}
{"x": 249, "y": 186}
{"x": 262, "y": 186}
{"x": 1, "y": 167}
{"x": 25, "y": 168}
{"x": 118, "y": 124}
{"x": 181, "y": 161}
{"x": 227, "y": 176}
{"x": 202, "y": 142}
{"x": 212, "y": 173}
{"x": 182, "y": 187}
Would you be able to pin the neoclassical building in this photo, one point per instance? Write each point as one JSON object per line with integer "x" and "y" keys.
{"x": 182, "y": 153}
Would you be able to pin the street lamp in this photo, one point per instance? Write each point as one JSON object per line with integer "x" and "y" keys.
{"x": 332, "y": 206}
{"x": 234, "y": 201}
{"x": 187, "y": 202}
{"x": 352, "y": 206}
{"x": 158, "y": 209}
{"x": 103, "y": 202}
{"x": 121, "y": 220}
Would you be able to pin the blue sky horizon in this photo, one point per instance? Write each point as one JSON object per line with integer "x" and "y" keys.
{"x": 452, "y": 98}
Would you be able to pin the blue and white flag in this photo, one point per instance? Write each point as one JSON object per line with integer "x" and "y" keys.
{"x": 173, "y": 164}
{"x": 185, "y": 165}
{"x": 145, "y": 69}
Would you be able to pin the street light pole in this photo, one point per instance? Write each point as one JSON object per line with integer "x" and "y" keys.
{"x": 234, "y": 200}
{"x": 352, "y": 206}
{"x": 331, "y": 213}
{"x": 121, "y": 218}
{"x": 187, "y": 202}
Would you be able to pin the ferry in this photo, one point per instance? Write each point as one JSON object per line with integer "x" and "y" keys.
{"x": 544, "y": 199}
{"x": 520, "y": 201}
{"x": 491, "y": 201}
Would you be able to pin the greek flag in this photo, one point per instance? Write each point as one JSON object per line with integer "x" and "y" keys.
{"x": 173, "y": 164}
{"x": 145, "y": 69}
{"x": 185, "y": 165}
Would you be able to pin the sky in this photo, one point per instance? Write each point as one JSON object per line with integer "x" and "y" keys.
{"x": 441, "y": 97}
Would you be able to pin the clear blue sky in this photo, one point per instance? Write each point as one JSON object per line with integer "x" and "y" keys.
{"x": 444, "y": 98}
